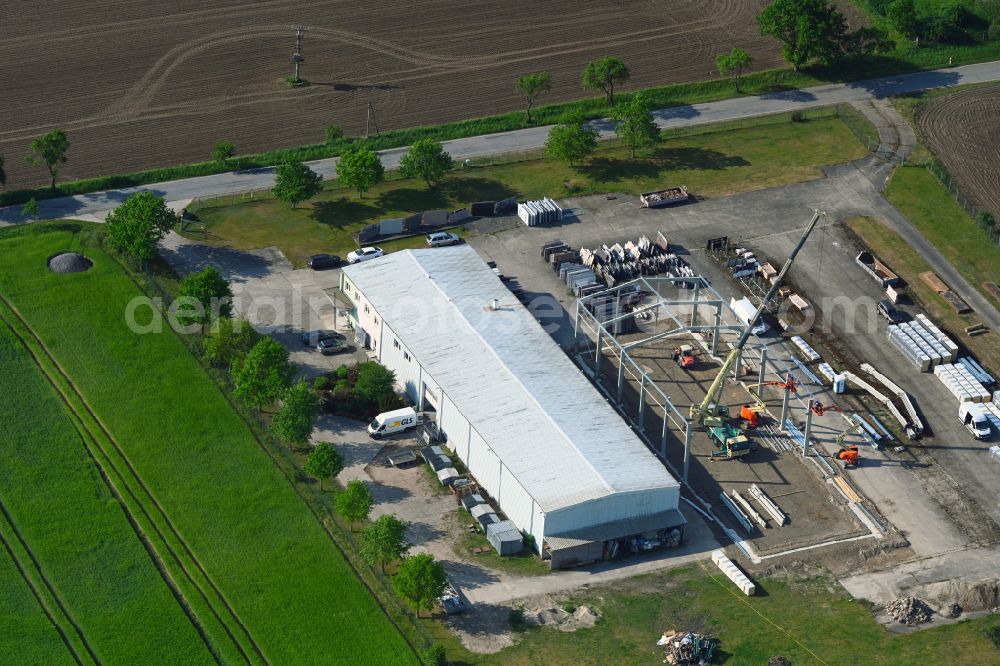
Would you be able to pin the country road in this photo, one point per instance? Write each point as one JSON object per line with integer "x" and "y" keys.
{"x": 96, "y": 205}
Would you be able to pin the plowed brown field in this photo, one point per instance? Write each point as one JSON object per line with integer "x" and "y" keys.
{"x": 963, "y": 130}
{"x": 139, "y": 84}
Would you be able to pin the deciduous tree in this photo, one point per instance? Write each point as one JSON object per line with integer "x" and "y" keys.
{"x": 533, "y": 86}
{"x": 374, "y": 381}
{"x": 212, "y": 291}
{"x": 421, "y": 580}
{"x": 360, "y": 168}
{"x": 635, "y": 125}
{"x": 903, "y": 16}
{"x": 324, "y": 462}
{"x": 294, "y": 182}
{"x": 294, "y": 421}
{"x": 426, "y": 159}
{"x": 264, "y": 374}
{"x": 222, "y": 151}
{"x": 733, "y": 64}
{"x": 384, "y": 541}
{"x": 355, "y": 501}
{"x": 572, "y": 141}
{"x": 230, "y": 342}
{"x": 604, "y": 75}
{"x": 333, "y": 135}
{"x": 50, "y": 150}
{"x": 136, "y": 226}
{"x": 807, "y": 29}
{"x": 30, "y": 208}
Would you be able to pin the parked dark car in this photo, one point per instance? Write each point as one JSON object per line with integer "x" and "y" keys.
{"x": 313, "y": 338}
{"x": 319, "y": 262}
{"x": 332, "y": 346}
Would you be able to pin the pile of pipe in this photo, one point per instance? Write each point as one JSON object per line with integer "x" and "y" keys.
{"x": 621, "y": 263}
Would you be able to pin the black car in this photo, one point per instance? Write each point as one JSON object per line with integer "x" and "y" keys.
{"x": 332, "y": 346}
{"x": 313, "y": 338}
{"x": 319, "y": 262}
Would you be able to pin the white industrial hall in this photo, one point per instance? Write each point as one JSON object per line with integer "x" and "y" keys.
{"x": 532, "y": 430}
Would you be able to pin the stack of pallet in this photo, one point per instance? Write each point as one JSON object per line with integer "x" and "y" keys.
{"x": 992, "y": 411}
{"x": 537, "y": 213}
{"x": 961, "y": 383}
{"x": 923, "y": 343}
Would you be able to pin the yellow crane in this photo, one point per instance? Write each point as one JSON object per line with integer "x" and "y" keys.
{"x": 712, "y": 415}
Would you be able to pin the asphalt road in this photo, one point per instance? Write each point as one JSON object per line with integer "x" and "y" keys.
{"x": 98, "y": 203}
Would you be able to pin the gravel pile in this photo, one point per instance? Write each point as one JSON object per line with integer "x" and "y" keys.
{"x": 69, "y": 262}
{"x": 909, "y": 611}
{"x": 779, "y": 661}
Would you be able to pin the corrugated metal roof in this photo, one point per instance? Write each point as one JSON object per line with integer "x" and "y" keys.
{"x": 551, "y": 428}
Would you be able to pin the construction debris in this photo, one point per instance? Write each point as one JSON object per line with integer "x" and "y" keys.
{"x": 686, "y": 648}
{"x": 954, "y": 610}
{"x": 779, "y": 660}
{"x": 909, "y": 611}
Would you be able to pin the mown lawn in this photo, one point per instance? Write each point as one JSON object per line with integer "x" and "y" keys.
{"x": 78, "y": 531}
{"x": 924, "y": 201}
{"x": 812, "y": 622}
{"x": 712, "y": 161}
{"x": 277, "y": 567}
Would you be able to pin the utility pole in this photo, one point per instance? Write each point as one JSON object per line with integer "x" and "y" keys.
{"x": 370, "y": 120}
{"x": 297, "y": 57}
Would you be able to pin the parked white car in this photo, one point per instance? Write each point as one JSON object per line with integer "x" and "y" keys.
{"x": 441, "y": 238}
{"x": 364, "y": 254}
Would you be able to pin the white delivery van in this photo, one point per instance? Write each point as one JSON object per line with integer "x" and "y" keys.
{"x": 398, "y": 420}
{"x": 972, "y": 415}
{"x": 745, "y": 310}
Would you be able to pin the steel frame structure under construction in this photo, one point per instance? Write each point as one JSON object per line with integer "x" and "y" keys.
{"x": 596, "y": 334}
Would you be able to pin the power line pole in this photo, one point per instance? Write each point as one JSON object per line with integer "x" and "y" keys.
{"x": 297, "y": 57}
{"x": 370, "y": 120}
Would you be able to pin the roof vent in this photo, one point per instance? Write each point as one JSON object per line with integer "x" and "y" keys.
{"x": 496, "y": 304}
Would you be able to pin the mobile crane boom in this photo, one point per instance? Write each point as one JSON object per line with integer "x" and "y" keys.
{"x": 709, "y": 407}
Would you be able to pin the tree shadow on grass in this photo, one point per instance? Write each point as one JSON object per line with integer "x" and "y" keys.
{"x": 610, "y": 170}
{"x": 676, "y": 159}
{"x": 345, "y": 213}
{"x": 411, "y": 200}
{"x": 465, "y": 189}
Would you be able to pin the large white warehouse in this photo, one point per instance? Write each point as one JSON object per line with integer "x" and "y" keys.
{"x": 532, "y": 430}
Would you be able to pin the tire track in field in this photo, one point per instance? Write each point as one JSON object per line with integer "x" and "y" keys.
{"x": 40, "y": 597}
{"x": 148, "y": 495}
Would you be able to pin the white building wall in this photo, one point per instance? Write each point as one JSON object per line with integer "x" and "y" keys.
{"x": 454, "y": 426}
{"x": 395, "y": 356}
{"x": 611, "y": 508}
{"x": 516, "y": 502}
{"x": 483, "y": 464}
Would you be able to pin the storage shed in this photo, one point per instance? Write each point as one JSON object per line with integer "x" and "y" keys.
{"x": 505, "y": 538}
{"x": 532, "y": 430}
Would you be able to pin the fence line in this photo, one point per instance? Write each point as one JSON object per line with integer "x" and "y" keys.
{"x": 983, "y": 218}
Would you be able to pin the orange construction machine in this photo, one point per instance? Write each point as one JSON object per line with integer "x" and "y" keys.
{"x": 752, "y": 414}
{"x": 819, "y": 408}
{"x": 849, "y": 455}
{"x": 684, "y": 355}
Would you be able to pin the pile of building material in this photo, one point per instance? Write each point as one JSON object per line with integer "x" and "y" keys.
{"x": 451, "y": 601}
{"x": 540, "y": 212}
{"x": 909, "y": 611}
{"x": 743, "y": 264}
{"x": 837, "y": 380}
{"x": 945, "y": 292}
{"x": 915, "y": 427}
{"x": 992, "y": 412}
{"x": 961, "y": 383}
{"x": 923, "y": 343}
{"x": 805, "y": 348}
{"x": 733, "y": 572}
{"x": 686, "y": 648}
{"x": 619, "y": 263}
{"x": 978, "y": 371}
{"x": 667, "y": 197}
{"x": 879, "y": 271}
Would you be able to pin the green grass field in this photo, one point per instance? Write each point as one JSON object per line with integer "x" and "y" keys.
{"x": 813, "y": 622}
{"x": 77, "y": 530}
{"x": 924, "y": 201}
{"x": 713, "y": 161}
{"x": 247, "y": 539}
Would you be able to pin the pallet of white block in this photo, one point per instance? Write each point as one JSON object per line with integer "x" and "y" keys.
{"x": 961, "y": 383}
{"x": 923, "y": 343}
{"x": 804, "y": 347}
{"x": 733, "y": 572}
{"x": 992, "y": 412}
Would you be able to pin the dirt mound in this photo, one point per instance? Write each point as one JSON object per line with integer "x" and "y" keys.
{"x": 779, "y": 661}
{"x": 969, "y": 596}
{"x": 582, "y": 617}
{"x": 69, "y": 262}
{"x": 909, "y": 611}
